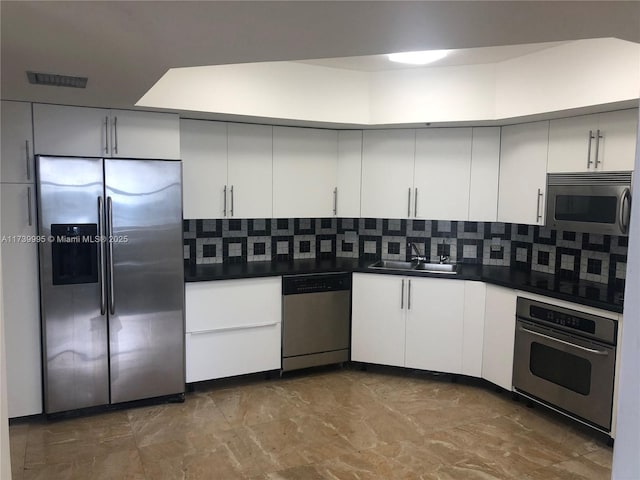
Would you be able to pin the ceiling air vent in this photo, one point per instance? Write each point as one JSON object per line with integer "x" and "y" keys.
{"x": 54, "y": 80}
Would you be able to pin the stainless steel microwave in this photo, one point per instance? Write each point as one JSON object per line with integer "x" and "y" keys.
{"x": 589, "y": 202}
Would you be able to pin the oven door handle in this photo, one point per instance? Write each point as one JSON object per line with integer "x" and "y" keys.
{"x": 573, "y": 345}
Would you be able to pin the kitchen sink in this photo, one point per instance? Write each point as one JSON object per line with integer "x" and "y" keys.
{"x": 394, "y": 265}
{"x": 425, "y": 267}
{"x": 451, "y": 268}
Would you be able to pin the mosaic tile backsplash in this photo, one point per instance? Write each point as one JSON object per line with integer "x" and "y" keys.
{"x": 599, "y": 258}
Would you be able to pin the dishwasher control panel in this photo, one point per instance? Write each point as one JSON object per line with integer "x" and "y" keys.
{"x": 325, "y": 282}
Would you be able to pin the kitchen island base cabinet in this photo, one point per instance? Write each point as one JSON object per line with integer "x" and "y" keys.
{"x": 233, "y": 327}
{"x": 499, "y": 336}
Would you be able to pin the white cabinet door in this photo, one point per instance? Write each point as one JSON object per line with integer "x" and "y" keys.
{"x": 21, "y": 309}
{"x": 349, "y": 173}
{"x": 435, "y": 310}
{"x": 473, "y": 328}
{"x": 228, "y": 335}
{"x": 378, "y": 319}
{"x": 305, "y": 162}
{"x": 442, "y": 173}
{"x": 499, "y": 336}
{"x": 75, "y": 131}
{"x": 590, "y": 143}
{"x": 145, "y": 135}
{"x": 250, "y": 170}
{"x": 523, "y": 173}
{"x": 617, "y": 149}
{"x": 204, "y": 168}
{"x": 17, "y": 143}
{"x": 485, "y": 169}
{"x": 572, "y": 144}
{"x": 387, "y": 173}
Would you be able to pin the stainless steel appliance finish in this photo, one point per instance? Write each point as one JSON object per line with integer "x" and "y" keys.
{"x": 112, "y": 310}
{"x": 566, "y": 359}
{"x": 589, "y": 202}
{"x": 316, "y": 320}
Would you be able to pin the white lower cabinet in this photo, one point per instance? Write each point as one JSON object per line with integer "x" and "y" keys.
{"x": 20, "y": 304}
{"x": 233, "y": 327}
{"x": 435, "y": 310}
{"x": 378, "y": 319}
{"x": 414, "y": 322}
{"x": 499, "y": 335}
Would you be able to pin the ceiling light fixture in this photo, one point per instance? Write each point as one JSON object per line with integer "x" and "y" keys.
{"x": 418, "y": 58}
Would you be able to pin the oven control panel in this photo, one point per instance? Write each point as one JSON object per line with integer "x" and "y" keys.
{"x": 564, "y": 319}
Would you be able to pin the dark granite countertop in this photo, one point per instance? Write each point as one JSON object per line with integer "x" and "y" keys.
{"x": 583, "y": 292}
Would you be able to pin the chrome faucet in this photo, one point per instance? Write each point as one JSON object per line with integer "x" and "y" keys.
{"x": 417, "y": 256}
{"x": 444, "y": 259}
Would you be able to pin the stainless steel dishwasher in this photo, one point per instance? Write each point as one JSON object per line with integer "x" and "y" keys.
{"x": 316, "y": 321}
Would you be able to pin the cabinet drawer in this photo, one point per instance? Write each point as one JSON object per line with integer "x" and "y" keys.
{"x": 234, "y": 351}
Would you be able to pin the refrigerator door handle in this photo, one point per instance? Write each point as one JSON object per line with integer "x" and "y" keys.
{"x": 112, "y": 297}
{"x": 101, "y": 265}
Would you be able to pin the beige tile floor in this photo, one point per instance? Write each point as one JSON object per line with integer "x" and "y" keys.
{"x": 333, "y": 424}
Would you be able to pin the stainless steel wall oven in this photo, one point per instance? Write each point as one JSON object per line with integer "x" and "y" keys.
{"x": 566, "y": 359}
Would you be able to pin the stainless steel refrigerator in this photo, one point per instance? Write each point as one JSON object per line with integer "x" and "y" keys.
{"x": 111, "y": 280}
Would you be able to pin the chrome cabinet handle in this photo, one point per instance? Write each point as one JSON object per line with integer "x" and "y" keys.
{"x": 101, "y": 266}
{"x": 589, "y": 161}
{"x": 231, "y": 210}
{"x": 224, "y": 203}
{"x": 415, "y": 206}
{"x": 409, "y": 204}
{"x": 402, "y": 296}
{"x": 29, "y": 215}
{"x": 623, "y": 219}
{"x": 598, "y": 137}
{"x": 115, "y": 135}
{"x": 335, "y": 201}
{"x": 409, "y": 295}
{"x": 569, "y": 344}
{"x": 234, "y": 328}
{"x": 112, "y": 296}
{"x": 538, "y": 214}
{"x": 27, "y": 159}
{"x": 106, "y": 134}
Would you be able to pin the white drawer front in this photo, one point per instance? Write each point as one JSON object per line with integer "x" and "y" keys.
{"x": 233, "y": 351}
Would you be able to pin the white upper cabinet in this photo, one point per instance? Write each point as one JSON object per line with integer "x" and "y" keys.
{"x": 387, "y": 173}
{"x": 523, "y": 172}
{"x": 442, "y": 173}
{"x": 97, "y": 132}
{"x": 145, "y": 135}
{"x": 75, "y": 131}
{"x": 16, "y": 143}
{"x": 347, "y": 201}
{"x": 250, "y": 170}
{"x": 305, "y": 164}
{"x": 591, "y": 143}
{"x": 485, "y": 168}
{"x": 203, "y": 145}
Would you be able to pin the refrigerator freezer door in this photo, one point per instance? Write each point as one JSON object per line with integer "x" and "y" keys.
{"x": 146, "y": 303}
{"x": 75, "y": 356}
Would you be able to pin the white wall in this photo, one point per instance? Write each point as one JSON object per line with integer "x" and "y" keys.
{"x": 626, "y": 453}
{"x": 571, "y": 75}
{"x": 270, "y": 89}
{"x": 567, "y": 76}
{"x": 460, "y": 93}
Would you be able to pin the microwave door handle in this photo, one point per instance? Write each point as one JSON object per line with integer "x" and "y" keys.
{"x": 623, "y": 218}
{"x": 557, "y": 340}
